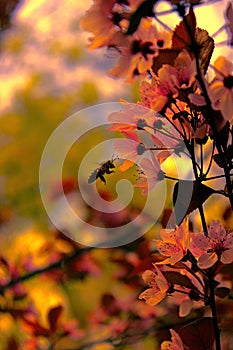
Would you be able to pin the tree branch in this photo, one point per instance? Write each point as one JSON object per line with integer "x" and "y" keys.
{"x": 55, "y": 265}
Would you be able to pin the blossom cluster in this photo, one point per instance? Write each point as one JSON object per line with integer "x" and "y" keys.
{"x": 185, "y": 109}
{"x": 167, "y": 56}
{"x": 109, "y": 22}
{"x": 184, "y": 262}
{"x": 185, "y": 102}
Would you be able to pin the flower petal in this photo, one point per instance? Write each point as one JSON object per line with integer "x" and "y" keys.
{"x": 207, "y": 260}
{"x": 185, "y": 307}
{"x": 227, "y": 256}
{"x": 201, "y": 241}
{"x": 216, "y": 231}
{"x": 152, "y": 297}
{"x": 223, "y": 65}
{"x": 175, "y": 344}
{"x": 226, "y": 104}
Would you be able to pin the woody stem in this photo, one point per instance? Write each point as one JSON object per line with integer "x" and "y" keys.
{"x": 214, "y": 314}
{"x": 209, "y": 117}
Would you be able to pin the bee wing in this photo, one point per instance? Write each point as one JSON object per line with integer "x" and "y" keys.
{"x": 93, "y": 176}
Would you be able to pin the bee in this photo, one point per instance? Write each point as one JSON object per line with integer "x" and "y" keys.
{"x": 103, "y": 169}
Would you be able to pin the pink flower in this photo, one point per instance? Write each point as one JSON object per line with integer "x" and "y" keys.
{"x": 131, "y": 117}
{"x": 155, "y": 94}
{"x": 100, "y": 20}
{"x": 217, "y": 246}
{"x": 184, "y": 302}
{"x": 186, "y": 70}
{"x": 165, "y": 85}
{"x": 221, "y": 88}
{"x": 138, "y": 124}
{"x": 151, "y": 174}
{"x": 130, "y": 149}
{"x": 107, "y": 21}
{"x": 158, "y": 286}
{"x": 174, "y": 244}
{"x": 174, "y": 344}
{"x": 139, "y": 51}
{"x": 154, "y": 129}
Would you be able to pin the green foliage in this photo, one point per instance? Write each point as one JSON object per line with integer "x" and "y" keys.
{"x": 26, "y": 130}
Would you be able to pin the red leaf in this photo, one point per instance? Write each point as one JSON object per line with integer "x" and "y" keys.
{"x": 181, "y": 280}
{"x": 181, "y": 36}
{"x": 205, "y": 47}
{"x": 33, "y": 327}
{"x": 188, "y": 196}
{"x": 166, "y": 56}
{"x": 53, "y": 317}
{"x": 12, "y": 344}
{"x": 222, "y": 292}
{"x": 145, "y": 264}
{"x": 109, "y": 303}
{"x": 198, "y": 335}
{"x": 143, "y": 248}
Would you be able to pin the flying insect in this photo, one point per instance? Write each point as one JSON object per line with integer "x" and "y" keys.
{"x": 101, "y": 171}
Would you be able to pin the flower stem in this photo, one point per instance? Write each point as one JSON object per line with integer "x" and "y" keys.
{"x": 214, "y": 314}
{"x": 209, "y": 116}
{"x": 203, "y": 221}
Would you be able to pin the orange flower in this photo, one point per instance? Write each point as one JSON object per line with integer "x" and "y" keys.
{"x": 174, "y": 344}
{"x": 99, "y": 20}
{"x": 158, "y": 286}
{"x": 174, "y": 244}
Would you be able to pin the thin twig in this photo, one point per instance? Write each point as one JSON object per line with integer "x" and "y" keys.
{"x": 55, "y": 265}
